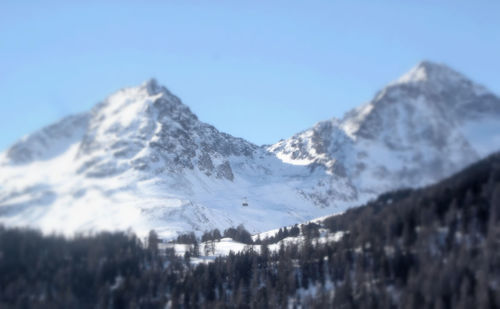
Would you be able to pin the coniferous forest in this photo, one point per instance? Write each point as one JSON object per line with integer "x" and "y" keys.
{"x": 436, "y": 247}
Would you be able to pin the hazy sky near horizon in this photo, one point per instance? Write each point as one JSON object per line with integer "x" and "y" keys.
{"x": 261, "y": 70}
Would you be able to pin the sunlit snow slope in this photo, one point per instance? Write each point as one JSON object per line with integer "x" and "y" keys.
{"x": 142, "y": 160}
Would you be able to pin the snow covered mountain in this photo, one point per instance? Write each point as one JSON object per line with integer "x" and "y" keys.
{"x": 142, "y": 159}
{"x": 421, "y": 128}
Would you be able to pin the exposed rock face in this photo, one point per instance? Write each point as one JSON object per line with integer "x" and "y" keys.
{"x": 142, "y": 159}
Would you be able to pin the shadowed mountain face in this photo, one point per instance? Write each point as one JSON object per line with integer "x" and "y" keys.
{"x": 142, "y": 159}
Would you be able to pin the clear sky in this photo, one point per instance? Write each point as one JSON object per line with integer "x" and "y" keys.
{"x": 262, "y": 70}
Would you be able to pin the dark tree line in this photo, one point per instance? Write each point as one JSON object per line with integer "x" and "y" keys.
{"x": 437, "y": 247}
{"x": 239, "y": 234}
{"x": 282, "y": 233}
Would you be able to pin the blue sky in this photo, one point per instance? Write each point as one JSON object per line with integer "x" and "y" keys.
{"x": 262, "y": 70}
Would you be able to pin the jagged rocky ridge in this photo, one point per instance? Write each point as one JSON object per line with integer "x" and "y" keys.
{"x": 142, "y": 159}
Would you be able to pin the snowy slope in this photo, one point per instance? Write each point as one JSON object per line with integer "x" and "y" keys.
{"x": 141, "y": 159}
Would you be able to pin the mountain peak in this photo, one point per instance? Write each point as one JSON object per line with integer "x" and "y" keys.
{"x": 431, "y": 65}
{"x": 436, "y": 78}
{"x": 152, "y": 86}
{"x": 430, "y": 72}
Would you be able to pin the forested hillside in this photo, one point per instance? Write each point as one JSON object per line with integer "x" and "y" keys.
{"x": 436, "y": 247}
